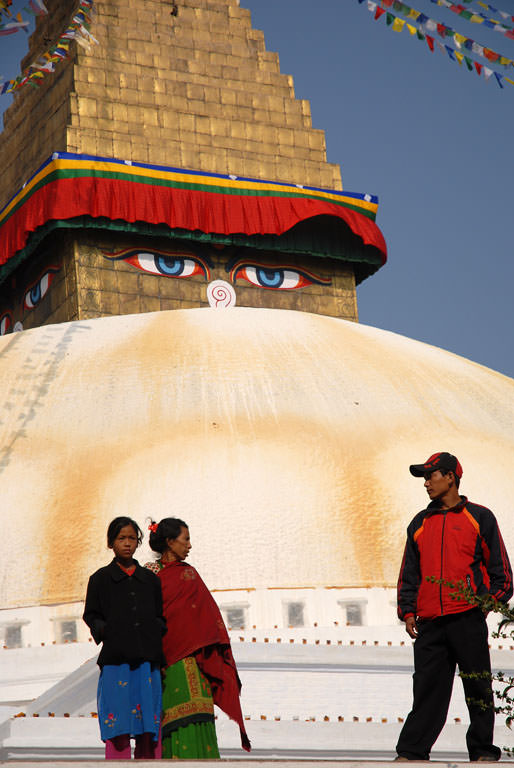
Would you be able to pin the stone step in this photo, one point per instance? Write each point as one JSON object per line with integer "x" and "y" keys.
{"x": 27, "y": 739}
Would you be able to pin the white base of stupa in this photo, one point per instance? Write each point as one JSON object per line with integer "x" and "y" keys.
{"x": 301, "y": 703}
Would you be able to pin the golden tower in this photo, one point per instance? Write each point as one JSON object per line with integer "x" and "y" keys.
{"x": 187, "y": 85}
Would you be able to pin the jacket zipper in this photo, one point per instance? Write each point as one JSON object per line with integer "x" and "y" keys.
{"x": 441, "y": 575}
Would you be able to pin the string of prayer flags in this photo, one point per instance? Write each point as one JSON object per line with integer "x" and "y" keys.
{"x": 477, "y": 18}
{"x": 428, "y": 25}
{"x": 13, "y": 26}
{"x": 488, "y": 7}
{"x": 34, "y": 7}
{"x": 78, "y": 29}
{"x": 376, "y": 7}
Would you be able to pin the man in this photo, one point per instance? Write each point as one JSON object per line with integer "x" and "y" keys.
{"x": 453, "y": 540}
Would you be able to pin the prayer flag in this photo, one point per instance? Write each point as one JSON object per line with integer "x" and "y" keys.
{"x": 491, "y": 55}
{"x": 37, "y": 7}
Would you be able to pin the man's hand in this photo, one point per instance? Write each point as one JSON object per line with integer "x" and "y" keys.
{"x": 411, "y": 627}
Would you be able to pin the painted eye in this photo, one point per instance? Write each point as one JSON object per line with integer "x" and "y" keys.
{"x": 275, "y": 278}
{"x": 5, "y": 324}
{"x": 39, "y": 289}
{"x": 166, "y": 264}
{"x": 285, "y": 279}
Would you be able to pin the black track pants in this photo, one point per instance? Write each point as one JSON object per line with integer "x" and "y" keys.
{"x": 459, "y": 639}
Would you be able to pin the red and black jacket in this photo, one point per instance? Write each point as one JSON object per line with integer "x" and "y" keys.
{"x": 458, "y": 544}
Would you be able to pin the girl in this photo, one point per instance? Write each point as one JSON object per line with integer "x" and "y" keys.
{"x": 124, "y": 612}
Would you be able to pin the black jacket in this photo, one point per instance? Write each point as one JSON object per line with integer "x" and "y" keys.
{"x": 125, "y": 614}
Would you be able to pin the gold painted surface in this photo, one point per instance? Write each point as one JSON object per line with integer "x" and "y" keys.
{"x": 148, "y": 76}
{"x": 100, "y": 278}
{"x": 282, "y": 438}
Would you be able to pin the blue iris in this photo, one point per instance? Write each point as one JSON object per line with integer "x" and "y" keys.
{"x": 35, "y": 293}
{"x": 270, "y": 278}
{"x": 169, "y": 266}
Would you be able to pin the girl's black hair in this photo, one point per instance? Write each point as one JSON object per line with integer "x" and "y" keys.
{"x": 117, "y": 524}
{"x": 168, "y": 528}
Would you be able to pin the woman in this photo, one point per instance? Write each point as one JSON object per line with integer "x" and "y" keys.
{"x": 200, "y": 668}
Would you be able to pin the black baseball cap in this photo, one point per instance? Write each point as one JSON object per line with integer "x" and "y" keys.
{"x": 437, "y": 461}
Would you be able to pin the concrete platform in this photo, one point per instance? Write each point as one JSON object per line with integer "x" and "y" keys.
{"x": 301, "y": 703}
{"x": 235, "y": 763}
{"x": 71, "y": 739}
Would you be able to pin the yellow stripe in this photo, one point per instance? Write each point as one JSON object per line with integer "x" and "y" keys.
{"x": 236, "y": 184}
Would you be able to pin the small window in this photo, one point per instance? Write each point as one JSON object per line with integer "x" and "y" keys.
{"x": 13, "y": 636}
{"x": 295, "y": 617}
{"x": 354, "y": 614}
{"x": 67, "y": 631}
{"x": 235, "y": 617}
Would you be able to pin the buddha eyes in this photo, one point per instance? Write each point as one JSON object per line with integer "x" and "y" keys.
{"x": 186, "y": 264}
{"x": 5, "y": 323}
{"x": 180, "y": 264}
{"x": 32, "y": 296}
{"x": 275, "y": 277}
{"x": 38, "y": 290}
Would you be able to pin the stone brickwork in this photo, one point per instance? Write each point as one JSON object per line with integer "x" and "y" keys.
{"x": 197, "y": 90}
{"x": 108, "y": 286}
{"x": 90, "y": 283}
{"x": 36, "y": 123}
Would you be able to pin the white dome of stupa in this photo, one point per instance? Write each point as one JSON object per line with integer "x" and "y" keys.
{"x": 282, "y": 438}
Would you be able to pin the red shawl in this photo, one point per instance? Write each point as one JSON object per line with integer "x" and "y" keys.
{"x": 196, "y": 627}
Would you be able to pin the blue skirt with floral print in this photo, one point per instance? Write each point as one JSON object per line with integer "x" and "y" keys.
{"x": 129, "y": 700}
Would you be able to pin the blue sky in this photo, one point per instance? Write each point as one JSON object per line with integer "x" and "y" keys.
{"x": 432, "y": 140}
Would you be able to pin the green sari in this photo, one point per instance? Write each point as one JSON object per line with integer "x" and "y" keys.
{"x": 188, "y": 730}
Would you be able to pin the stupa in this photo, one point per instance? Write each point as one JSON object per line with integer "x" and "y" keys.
{"x": 183, "y": 262}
